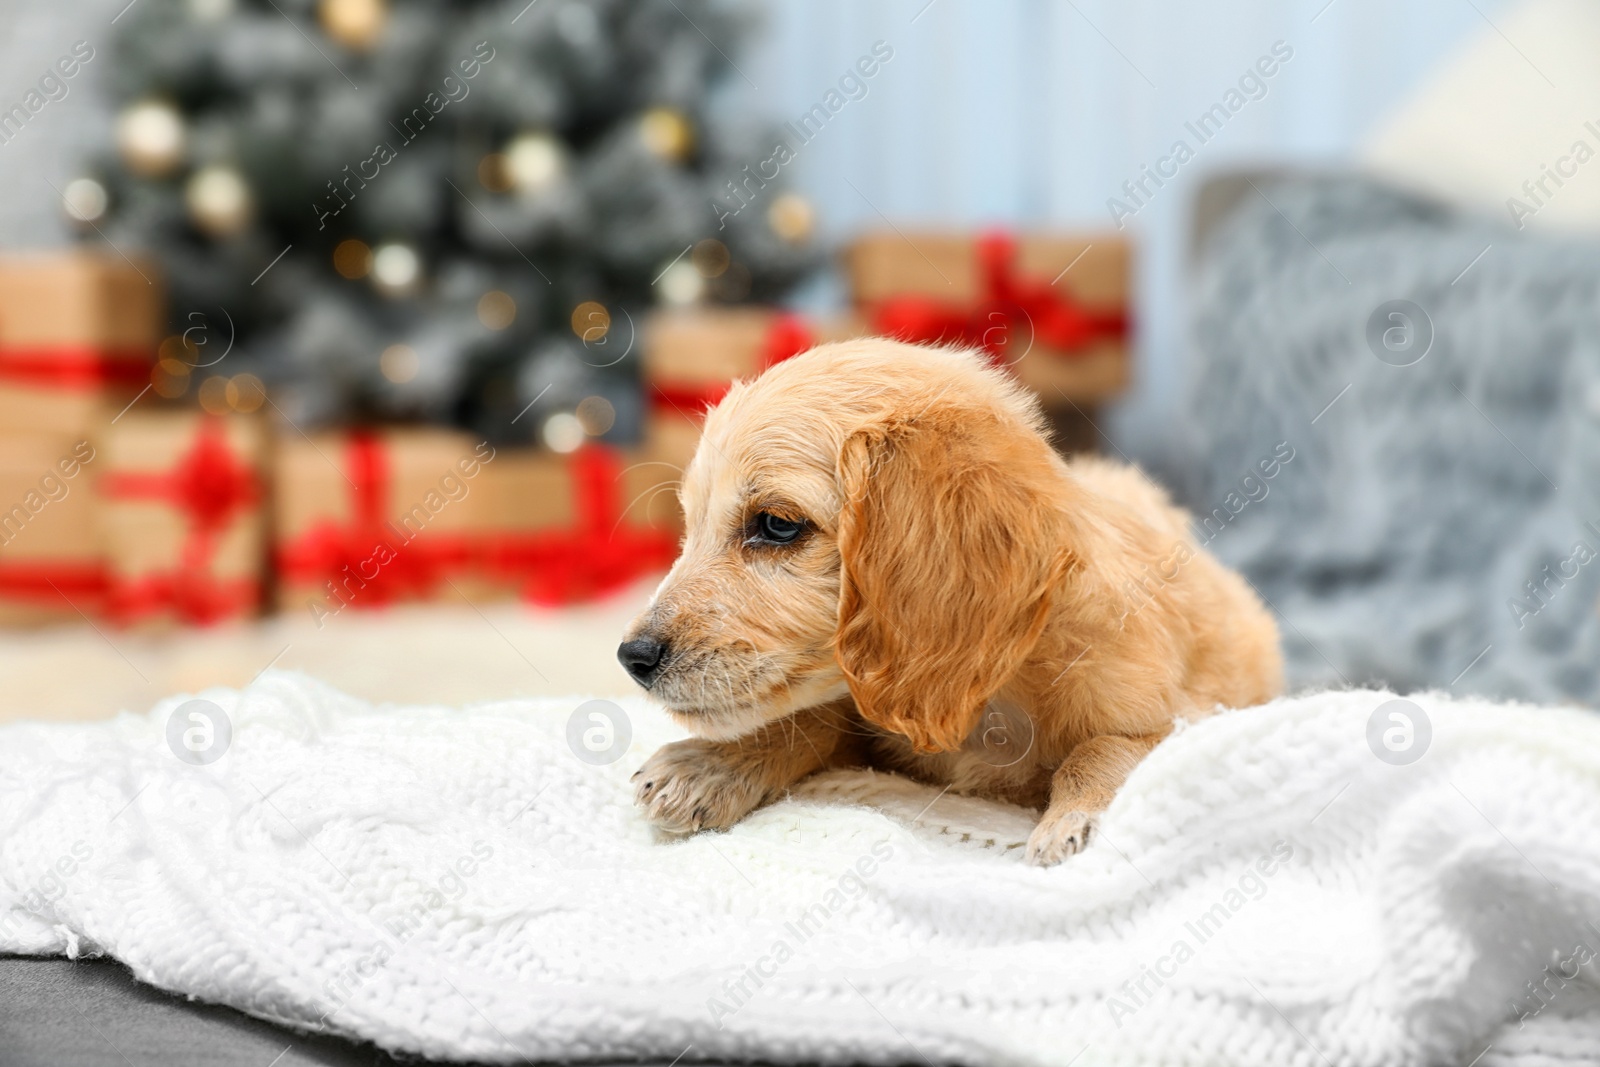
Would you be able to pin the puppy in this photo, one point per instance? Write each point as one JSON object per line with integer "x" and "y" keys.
{"x": 887, "y": 565}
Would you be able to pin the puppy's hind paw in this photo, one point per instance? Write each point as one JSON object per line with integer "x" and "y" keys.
{"x": 1059, "y": 835}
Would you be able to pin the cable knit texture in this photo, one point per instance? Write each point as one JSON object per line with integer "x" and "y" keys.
{"x": 1411, "y": 535}
{"x": 457, "y": 883}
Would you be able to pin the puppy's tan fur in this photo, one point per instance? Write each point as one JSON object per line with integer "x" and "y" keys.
{"x": 966, "y": 607}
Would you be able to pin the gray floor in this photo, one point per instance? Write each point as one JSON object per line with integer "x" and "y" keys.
{"x": 92, "y": 1013}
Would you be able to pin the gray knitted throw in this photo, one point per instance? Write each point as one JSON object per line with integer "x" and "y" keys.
{"x": 1438, "y": 524}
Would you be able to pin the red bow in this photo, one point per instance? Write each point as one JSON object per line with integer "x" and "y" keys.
{"x": 74, "y": 366}
{"x": 369, "y": 559}
{"x": 209, "y": 485}
{"x": 193, "y": 596}
{"x": 1046, "y": 316}
{"x": 787, "y": 337}
{"x": 598, "y": 555}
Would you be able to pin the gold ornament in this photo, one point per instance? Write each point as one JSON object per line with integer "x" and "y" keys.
{"x": 596, "y": 415}
{"x": 667, "y": 132}
{"x": 181, "y": 350}
{"x": 395, "y": 267}
{"x": 245, "y": 393}
{"x": 496, "y": 309}
{"x": 534, "y": 162}
{"x": 213, "y": 395}
{"x": 681, "y": 284}
{"x": 210, "y": 10}
{"x": 792, "y": 218}
{"x": 563, "y": 432}
{"x": 150, "y": 137}
{"x": 711, "y": 257}
{"x": 84, "y": 200}
{"x": 170, "y": 377}
{"x": 494, "y": 172}
{"x": 352, "y": 259}
{"x": 219, "y": 201}
{"x": 353, "y": 23}
{"x": 399, "y": 363}
{"x": 590, "y": 321}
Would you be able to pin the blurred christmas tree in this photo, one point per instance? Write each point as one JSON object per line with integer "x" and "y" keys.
{"x": 473, "y": 201}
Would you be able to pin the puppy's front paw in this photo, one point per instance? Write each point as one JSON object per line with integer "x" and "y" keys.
{"x": 692, "y": 785}
{"x": 1059, "y": 835}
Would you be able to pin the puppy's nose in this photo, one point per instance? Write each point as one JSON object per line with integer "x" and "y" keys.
{"x": 642, "y": 658}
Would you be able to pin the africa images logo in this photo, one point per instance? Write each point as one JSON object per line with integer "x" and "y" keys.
{"x": 199, "y": 732}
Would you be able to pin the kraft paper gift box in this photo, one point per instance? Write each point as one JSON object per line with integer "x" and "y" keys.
{"x": 367, "y": 518}
{"x": 78, "y": 338}
{"x": 1052, "y": 308}
{"x": 183, "y": 504}
{"x": 52, "y": 558}
{"x": 692, "y": 357}
{"x": 566, "y": 528}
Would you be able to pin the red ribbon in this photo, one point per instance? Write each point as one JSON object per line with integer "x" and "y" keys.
{"x": 787, "y": 337}
{"x": 45, "y": 582}
{"x": 370, "y": 560}
{"x": 1047, "y": 316}
{"x": 74, "y": 366}
{"x": 209, "y": 486}
{"x": 598, "y": 555}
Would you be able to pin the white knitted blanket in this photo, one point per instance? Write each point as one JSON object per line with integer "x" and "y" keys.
{"x": 460, "y": 884}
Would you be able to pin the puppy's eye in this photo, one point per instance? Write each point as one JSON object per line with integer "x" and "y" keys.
{"x": 775, "y": 529}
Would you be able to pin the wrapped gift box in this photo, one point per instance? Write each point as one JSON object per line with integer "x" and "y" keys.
{"x": 78, "y": 337}
{"x": 52, "y": 565}
{"x": 366, "y": 518}
{"x": 183, "y": 506}
{"x": 692, "y": 357}
{"x": 1052, "y": 308}
{"x": 569, "y": 528}
{"x": 370, "y": 518}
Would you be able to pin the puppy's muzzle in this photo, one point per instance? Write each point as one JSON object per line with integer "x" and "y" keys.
{"x": 643, "y": 658}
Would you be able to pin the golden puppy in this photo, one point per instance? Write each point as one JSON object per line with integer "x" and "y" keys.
{"x": 886, "y": 564}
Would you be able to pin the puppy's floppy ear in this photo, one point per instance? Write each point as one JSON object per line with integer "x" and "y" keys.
{"x": 950, "y": 542}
